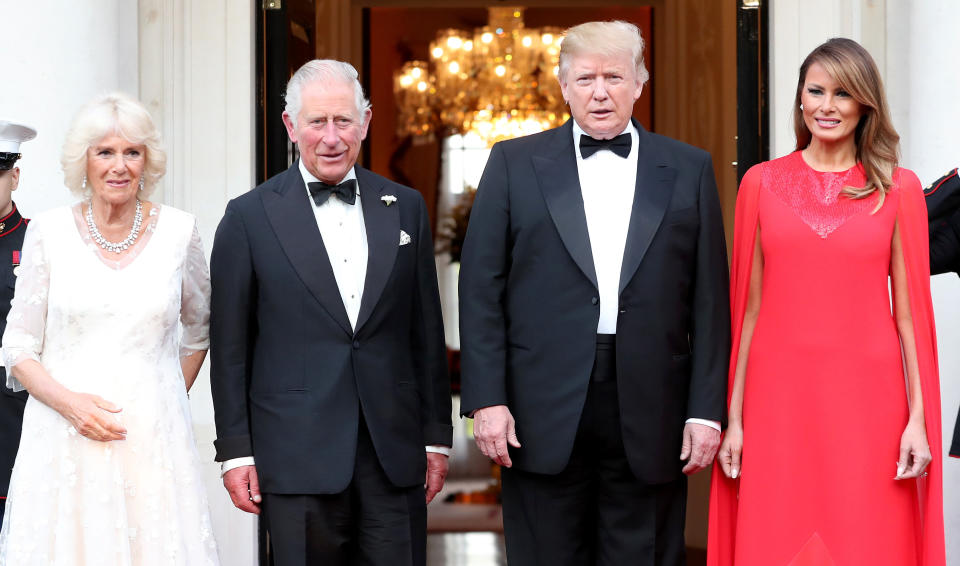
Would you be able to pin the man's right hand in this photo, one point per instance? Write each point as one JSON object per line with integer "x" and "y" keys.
{"x": 494, "y": 429}
{"x": 244, "y": 488}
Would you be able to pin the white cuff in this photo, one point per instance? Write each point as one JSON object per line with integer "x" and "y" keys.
{"x": 235, "y": 463}
{"x": 705, "y": 422}
{"x": 445, "y": 450}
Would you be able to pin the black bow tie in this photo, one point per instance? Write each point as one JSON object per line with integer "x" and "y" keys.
{"x": 345, "y": 191}
{"x": 620, "y": 145}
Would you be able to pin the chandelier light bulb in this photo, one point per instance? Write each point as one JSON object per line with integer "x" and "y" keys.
{"x": 454, "y": 67}
{"x": 500, "y": 70}
{"x": 454, "y": 42}
{"x": 421, "y": 86}
{"x": 487, "y": 37}
{"x": 437, "y": 52}
{"x": 416, "y": 72}
{"x": 527, "y": 41}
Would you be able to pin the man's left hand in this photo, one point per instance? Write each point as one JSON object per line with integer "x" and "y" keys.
{"x": 700, "y": 443}
{"x": 437, "y": 465}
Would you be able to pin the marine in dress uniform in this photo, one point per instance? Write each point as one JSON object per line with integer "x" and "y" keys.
{"x": 12, "y": 228}
{"x": 943, "y": 215}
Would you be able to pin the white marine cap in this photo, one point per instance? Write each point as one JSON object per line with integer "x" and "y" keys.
{"x": 12, "y": 135}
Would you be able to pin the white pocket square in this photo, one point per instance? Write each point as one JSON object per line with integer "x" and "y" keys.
{"x": 404, "y": 238}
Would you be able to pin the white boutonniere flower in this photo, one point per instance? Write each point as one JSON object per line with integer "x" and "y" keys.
{"x": 388, "y": 199}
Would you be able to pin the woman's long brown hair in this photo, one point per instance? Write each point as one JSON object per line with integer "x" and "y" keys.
{"x": 878, "y": 144}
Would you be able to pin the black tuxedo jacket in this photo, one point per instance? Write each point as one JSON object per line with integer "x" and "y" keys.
{"x": 529, "y": 304}
{"x": 289, "y": 377}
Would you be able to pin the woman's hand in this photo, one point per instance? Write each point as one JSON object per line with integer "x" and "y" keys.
{"x": 730, "y": 450}
{"x": 914, "y": 451}
{"x": 87, "y": 414}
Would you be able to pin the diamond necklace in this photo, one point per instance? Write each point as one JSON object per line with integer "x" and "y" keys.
{"x": 119, "y": 246}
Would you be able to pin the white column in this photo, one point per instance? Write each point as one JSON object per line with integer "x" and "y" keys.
{"x": 56, "y": 56}
{"x": 197, "y": 79}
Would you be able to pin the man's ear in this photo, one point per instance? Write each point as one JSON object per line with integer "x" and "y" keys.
{"x": 15, "y": 178}
{"x": 367, "y": 116}
{"x": 291, "y": 126}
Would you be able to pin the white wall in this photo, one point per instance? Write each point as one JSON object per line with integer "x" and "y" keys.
{"x": 914, "y": 44}
{"x": 55, "y": 57}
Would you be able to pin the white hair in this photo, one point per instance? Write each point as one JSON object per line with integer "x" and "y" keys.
{"x": 111, "y": 114}
{"x": 323, "y": 71}
{"x": 603, "y": 38}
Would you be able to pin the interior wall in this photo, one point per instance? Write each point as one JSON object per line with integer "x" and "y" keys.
{"x": 695, "y": 85}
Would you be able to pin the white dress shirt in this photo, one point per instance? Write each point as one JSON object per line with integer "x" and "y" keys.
{"x": 608, "y": 183}
{"x": 345, "y": 238}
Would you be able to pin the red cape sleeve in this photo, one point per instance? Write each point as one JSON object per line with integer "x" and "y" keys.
{"x": 721, "y": 534}
{"x": 912, "y": 221}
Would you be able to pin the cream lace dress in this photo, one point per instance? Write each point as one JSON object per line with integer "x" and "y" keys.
{"x": 116, "y": 329}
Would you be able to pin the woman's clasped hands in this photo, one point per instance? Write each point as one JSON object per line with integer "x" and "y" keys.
{"x": 89, "y": 415}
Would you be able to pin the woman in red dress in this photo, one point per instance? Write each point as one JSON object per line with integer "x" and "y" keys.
{"x": 834, "y": 399}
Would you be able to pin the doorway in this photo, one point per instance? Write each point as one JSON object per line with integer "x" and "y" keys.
{"x": 708, "y": 88}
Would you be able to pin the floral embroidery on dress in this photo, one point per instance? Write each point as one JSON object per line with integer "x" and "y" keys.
{"x": 817, "y": 197}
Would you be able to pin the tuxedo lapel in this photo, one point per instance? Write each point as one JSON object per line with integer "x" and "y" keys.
{"x": 383, "y": 240}
{"x": 650, "y": 200}
{"x": 290, "y": 213}
{"x": 559, "y": 182}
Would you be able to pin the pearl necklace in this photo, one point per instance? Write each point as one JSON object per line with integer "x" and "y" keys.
{"x": 119, "y": 246}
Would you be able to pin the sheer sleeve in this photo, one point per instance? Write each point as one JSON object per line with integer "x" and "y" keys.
{"x": 26, "y": 322}
{"x": 195, "y": 299}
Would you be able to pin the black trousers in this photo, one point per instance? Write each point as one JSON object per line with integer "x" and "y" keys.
{"x": 594, "y": 512}
{"x": 371, "y": 523}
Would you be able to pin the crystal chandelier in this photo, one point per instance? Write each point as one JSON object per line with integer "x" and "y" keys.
{"x": 498, "y": 82}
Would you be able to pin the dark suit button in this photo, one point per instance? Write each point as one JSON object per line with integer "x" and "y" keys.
{"x": 594, "y": 300}
{"x": 356, "y": 344}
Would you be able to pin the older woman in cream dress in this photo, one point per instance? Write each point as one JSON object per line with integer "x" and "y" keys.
{"x": 107, "y": 332}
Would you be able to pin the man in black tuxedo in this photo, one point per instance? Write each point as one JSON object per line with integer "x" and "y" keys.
{"x": 594, "y": 320}
{"x": 328, "y": 364}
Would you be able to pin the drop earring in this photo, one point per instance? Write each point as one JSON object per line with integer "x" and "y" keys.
{"x": 83, "y": 186}
{"x": 801, "y": 107}
{"x": 141, "y": 182}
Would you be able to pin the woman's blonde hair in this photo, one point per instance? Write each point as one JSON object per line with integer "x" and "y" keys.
{"x": 114, "y": 113}
{"x": 878, "y": 144}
